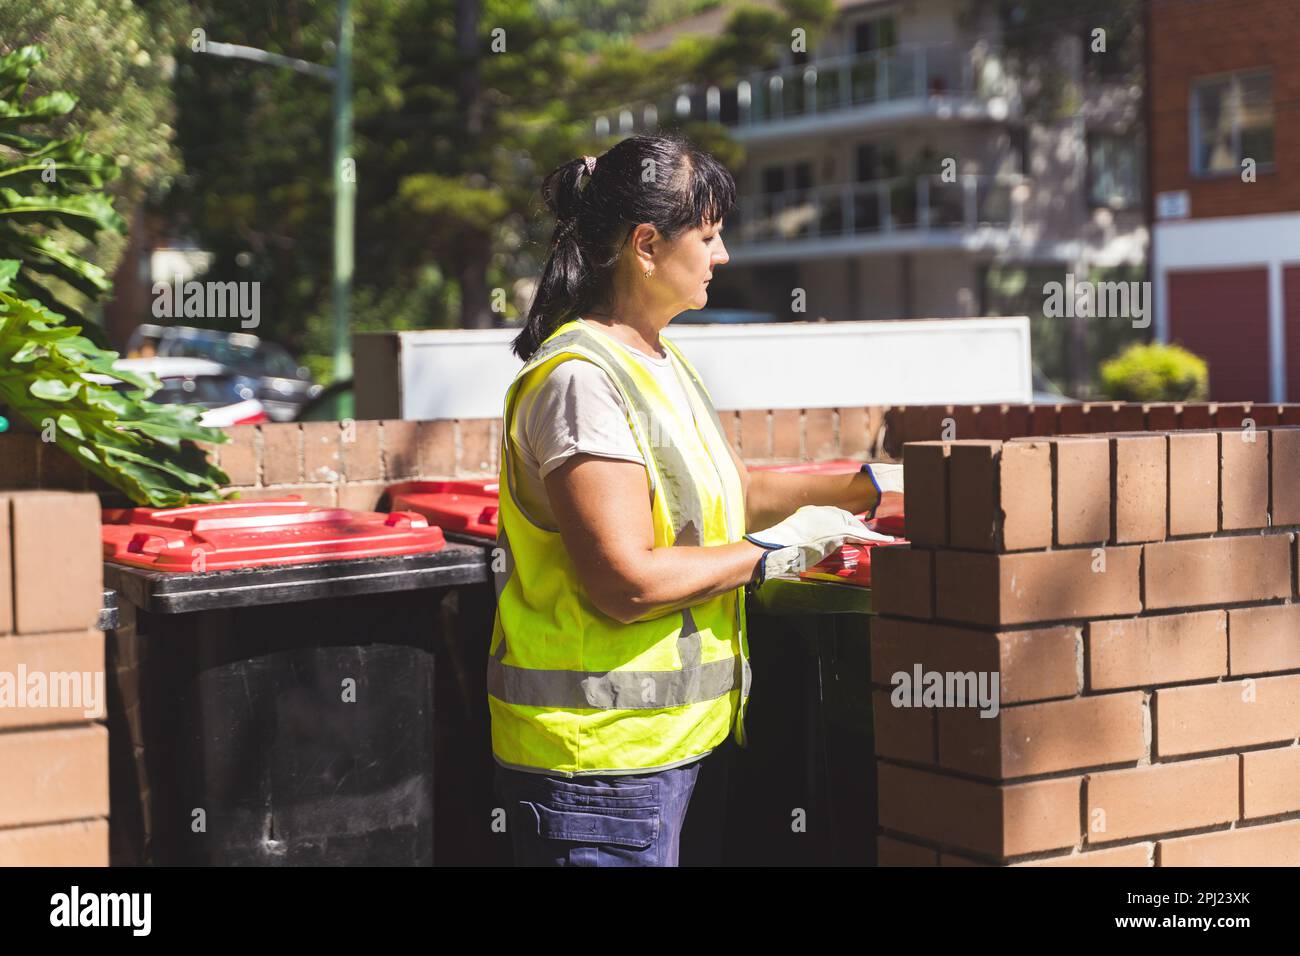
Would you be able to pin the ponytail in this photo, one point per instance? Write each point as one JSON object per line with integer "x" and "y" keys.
{"x": 560, "y": 286}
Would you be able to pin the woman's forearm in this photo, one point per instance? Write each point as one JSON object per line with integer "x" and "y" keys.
{"x": 670, "y": 578}
{"x": 773, "y": 496}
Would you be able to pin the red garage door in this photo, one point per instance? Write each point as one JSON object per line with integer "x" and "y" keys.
{"x": 1291, "y": 301}
{"x": 1222, "y": 316}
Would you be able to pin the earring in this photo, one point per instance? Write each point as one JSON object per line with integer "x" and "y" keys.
{"x": 649, "y": 273}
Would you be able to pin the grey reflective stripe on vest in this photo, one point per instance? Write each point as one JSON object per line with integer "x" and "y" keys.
{"x": 684, "y": 509}
{"x": 620, "y": 690}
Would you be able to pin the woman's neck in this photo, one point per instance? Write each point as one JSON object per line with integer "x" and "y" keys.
{"x": 631, "y": 328}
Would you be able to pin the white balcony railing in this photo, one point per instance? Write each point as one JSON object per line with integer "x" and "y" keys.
{"x": 906, "y": 72}
{"x": 886, "y": 206}
{"x": 910, "y": 72}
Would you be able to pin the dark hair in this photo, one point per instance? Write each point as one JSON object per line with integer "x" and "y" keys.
{"x": 662, "y": 180}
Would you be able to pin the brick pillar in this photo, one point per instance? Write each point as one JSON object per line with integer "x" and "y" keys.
{"x": 1099, "y": 579}
{"x": 53, "y": 745}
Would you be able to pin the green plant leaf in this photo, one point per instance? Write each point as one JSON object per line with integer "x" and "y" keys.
{"x": 147, "y": 450}
{"x": 69, "y": 425}
{"x": 53, "y": 390}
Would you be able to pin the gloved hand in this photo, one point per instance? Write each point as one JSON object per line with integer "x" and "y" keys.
{"x": 886, "y": 478}
{"x": 801, "y": 540}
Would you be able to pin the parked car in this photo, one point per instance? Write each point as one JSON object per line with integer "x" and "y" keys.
{"x": 337, "y": 402}
{"x": 283, "y": 386}
{"x": 723, "y": 317}
{"x": 1045, "y": 393}
{"x": 230, "y": 399}
{"x": 144, "y": 341}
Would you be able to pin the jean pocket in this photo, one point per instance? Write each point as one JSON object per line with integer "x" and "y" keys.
{"x": 619, "y": 816}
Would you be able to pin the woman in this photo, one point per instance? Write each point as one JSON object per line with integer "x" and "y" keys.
{"x": 618, "y": 657}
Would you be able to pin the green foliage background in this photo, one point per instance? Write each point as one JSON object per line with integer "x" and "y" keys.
{"x": 116, "y": 57}
{"x": 434, "y": 194}
{"x": 1156, "y": 373}
{"x": 52, "y": 201}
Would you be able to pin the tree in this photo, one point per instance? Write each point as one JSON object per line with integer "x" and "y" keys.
{"x": 1110, "y": 32}
{"x": 452, "y": 138}
{"x": 1110, "y": 36}
{"x": 116, "y": 55}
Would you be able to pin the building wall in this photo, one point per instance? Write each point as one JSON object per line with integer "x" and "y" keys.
{"x": 944, "y": 286}
{"x": 1291, "y": 320}
{"x": 1222, "y": 315}
{"x": 826, "y": 283}
{"x": 1209, "y": 246}
{"x": 1060, "y": 224}
{"x": 1190, "y": 40}
{"x": 880, "y": 285}
{"x": 926, "y": 21}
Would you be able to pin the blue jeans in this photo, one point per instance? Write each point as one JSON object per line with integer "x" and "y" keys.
{"x": 630, "y": 820}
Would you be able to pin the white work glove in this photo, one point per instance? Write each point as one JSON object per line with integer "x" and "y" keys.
{"x": 801, "y": 540}
{"x": 885, "y": 478}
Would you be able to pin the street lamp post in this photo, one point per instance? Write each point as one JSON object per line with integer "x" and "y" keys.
{"x": 342, "y": 172}
{"x": 345, "y": 193}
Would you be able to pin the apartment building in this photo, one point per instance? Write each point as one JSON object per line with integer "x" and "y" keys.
{"x": 893, "y": 171}
{"x": 1225, "y": 174}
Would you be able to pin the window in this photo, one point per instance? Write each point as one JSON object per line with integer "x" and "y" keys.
{"x": 803, "y": 175}
{"x": 1018, "y": 142}
{"x": 778, "y": 179}
{"x": 1232, "y": 120}
{"x": 876, "y": 161}
{"x": 871, "y": 35}
{"x": 1113, "y": 177}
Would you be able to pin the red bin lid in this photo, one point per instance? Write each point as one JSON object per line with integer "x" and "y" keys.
{"x": 851, "y": 564}
{"x": 886, "y": 521}
{"x": 250, "y": 534}
{"x": 468, "y": 507}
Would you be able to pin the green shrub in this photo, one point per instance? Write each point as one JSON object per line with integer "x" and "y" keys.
{"x": 1155, "y": 373}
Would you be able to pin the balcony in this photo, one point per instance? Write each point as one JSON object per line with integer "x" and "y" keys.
{"x": 886, "y": 87}
{"x": 887, "y": 215}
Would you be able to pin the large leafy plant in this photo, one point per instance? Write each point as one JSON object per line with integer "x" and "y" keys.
{"x": 53, "y": 377}
{"x": 49, "y": 185}
{"x": 48, "y": 182}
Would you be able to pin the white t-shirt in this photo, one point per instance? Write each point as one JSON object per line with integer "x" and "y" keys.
{"x": 578, "y": 410}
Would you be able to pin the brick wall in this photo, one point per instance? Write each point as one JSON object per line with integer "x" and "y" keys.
{"x": 1123, "y": 735}
{"x": 333, "y": 463}
{"x": 1136, "y": 594}
{"x": 350, "y": 464}
{"x": 911, "y": 423}
{"x": 1189, "y": 40}
{"x": 54, "y": 759}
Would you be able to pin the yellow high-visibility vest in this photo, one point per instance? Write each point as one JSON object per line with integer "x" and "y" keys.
{"x": 572, "y": 690}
